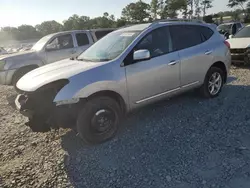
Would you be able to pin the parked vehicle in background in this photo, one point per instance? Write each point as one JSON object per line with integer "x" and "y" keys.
{"x": 240, "y": 46}
{"x": 2, "y": 51}
{"x": 51, "y": 48}
{"x": 127, "y": 69}
{"x": 228, "y": 29}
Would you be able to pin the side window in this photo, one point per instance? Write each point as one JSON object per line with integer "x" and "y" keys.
{"x": 100, "y": 34}
{"x": 60, "y": 43}
{"x": 185, "y": 36}
{"x": 206, "y": 32}
{"x": 238, "y": 25}
{"x": 234, "y": 29}
{"x": 157, "y": 42}
{"x": 82, "y": 39}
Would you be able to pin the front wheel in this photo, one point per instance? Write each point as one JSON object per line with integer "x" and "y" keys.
{"x": 98, "y": 120}
{"x": 213, "y": 83}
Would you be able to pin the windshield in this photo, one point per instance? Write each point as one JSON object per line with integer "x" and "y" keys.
{"x": 109, "y": 47}
{"x": 40, "y": 44}
{"x": 243, "y": 33}
{"x": 225, "y": 27}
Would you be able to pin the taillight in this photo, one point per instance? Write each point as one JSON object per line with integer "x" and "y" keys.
{"x": 227, "y": 44}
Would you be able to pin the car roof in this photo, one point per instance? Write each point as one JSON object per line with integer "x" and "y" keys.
{"x": 137, "y": 27}
{"x": 141, "y": 27}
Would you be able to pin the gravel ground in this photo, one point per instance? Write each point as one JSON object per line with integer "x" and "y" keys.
{"x": 186, "y": 142}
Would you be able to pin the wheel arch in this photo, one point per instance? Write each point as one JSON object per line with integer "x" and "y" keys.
{"x": 112, "y": 94}
{"x": 222, "y": 66}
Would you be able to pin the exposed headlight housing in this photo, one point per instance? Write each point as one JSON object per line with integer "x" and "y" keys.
{"x": 2, "y": 64}
{"x": 248, "y": 52}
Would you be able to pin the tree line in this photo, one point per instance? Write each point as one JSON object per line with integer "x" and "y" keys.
{"x": 137, "y": 12}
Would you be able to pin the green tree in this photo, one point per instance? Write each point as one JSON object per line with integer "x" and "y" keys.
{"x": 238, "y": 3}
{"x": 197, "y": 4}
{"x": 76, "y": 22}
{"x": 155, "y": 8}
{"x": 173, "y": 6}
{"x": 206, "y": 4}
{"x": 27, "y": 32}
{"x": 49, "y": 27}
{"x": 121, "y": 23}
{"x": 136, "y": 12}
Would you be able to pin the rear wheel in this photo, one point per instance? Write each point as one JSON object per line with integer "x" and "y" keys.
{"x": 213, "y": 83}
{"x": 98, "y": 120}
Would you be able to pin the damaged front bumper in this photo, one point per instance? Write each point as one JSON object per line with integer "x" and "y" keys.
{"x": 44, "y": 114}
{"x": 240, "y": 56}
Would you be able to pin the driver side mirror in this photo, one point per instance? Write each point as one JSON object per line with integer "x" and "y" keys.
{"x": 230, "y": 36}
{"x": 141, "y": 55}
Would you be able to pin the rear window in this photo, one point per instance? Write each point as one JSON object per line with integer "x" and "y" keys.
{"x": 185, "y": 36}
{"x": 100, "y": 34}
{"x": 82, "y": 39}
{"x": 206, "y": 32}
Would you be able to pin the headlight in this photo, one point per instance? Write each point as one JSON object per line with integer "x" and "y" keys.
{"x": 2, "y": 63}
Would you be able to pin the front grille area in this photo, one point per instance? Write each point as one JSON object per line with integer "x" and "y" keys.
{"x": 238, "y": 57}
{"x": 238, "y": 51}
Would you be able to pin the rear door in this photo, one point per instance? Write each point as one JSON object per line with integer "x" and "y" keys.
{"x": 60, "y": 47}
{"x": 83, "y": 41}
{"x": 195, "y": 50}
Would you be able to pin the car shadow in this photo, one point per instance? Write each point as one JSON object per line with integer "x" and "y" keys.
{"x": 183, "y": 142}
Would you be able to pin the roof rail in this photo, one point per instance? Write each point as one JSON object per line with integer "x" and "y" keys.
{"x": 178, "y": 20}
{"x": 125, "y": 26}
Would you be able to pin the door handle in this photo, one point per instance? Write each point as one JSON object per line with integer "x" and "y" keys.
{"x": 208, "y": 52}
{"x": 173, "y": 63}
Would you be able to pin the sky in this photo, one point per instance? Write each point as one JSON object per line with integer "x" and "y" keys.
{"x": 32, "y": 12}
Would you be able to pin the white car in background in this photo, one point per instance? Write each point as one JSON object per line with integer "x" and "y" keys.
{"x": 240, "y": 46}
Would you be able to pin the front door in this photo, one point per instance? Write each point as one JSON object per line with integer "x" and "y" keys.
{"x": 152, "y": 79}
{"x": 61, "y": 47}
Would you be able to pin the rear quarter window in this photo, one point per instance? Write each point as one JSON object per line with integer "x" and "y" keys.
{"x": 185, "y": 36}
{"x": 206, "y": 32}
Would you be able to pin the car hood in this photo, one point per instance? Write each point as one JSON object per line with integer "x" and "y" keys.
{"x": 239, "y": 42}
{"x": 56, "y": 71}
{"x": 18, "y": 55}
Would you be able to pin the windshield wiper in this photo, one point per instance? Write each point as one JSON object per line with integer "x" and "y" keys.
{"x": 88, "y": 60}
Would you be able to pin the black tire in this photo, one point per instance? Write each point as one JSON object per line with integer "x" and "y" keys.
{"x": 204, "y": 90}
{"x": 89, "y": 112}
{"x": 19, "y": 74}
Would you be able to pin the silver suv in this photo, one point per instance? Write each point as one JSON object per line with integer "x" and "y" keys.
{"x": 127, "y": 69}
